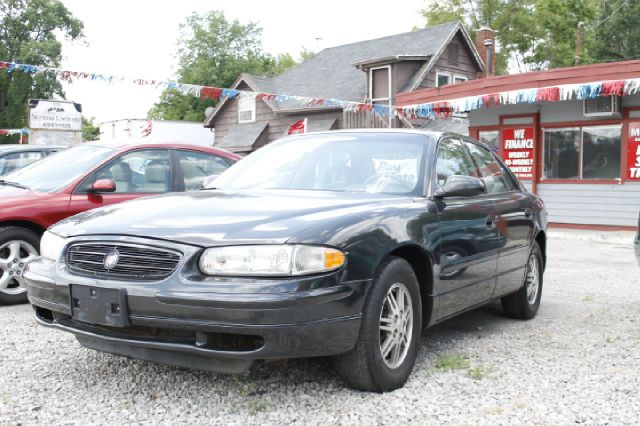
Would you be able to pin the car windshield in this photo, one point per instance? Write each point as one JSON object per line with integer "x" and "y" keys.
{"x": 373, "y": 163}
{"x": 60, "y": 169}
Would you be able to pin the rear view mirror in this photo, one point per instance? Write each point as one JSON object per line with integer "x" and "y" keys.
{"x": 461, "y": 186}
{"x": 103, "y": 185}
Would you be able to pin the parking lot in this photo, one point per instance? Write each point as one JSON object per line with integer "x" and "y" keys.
{"x": 578, "y": 361}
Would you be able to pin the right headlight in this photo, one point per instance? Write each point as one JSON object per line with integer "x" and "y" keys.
{"x": 270, "y": 260}
{"x": 51, "y": 246}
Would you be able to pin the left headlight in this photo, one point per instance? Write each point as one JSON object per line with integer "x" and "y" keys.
{"x": 270, "y": 260}
{"x": 51, "y": 246}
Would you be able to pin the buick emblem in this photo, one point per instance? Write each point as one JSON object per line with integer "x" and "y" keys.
{"x": 111, "y": 259}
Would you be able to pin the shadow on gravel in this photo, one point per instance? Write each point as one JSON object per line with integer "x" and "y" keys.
{"x": 265, "y": 376}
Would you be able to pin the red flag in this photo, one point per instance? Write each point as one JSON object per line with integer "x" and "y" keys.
{"x": 298, "y": 127}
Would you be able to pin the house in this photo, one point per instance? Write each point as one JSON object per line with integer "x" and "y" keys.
{"x": 571, "y": 135}
{"x": 367, "y": 71}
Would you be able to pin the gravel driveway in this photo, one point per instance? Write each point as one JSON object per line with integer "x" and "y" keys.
{"x": 578, "y": 361}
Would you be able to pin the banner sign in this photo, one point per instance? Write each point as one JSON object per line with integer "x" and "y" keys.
{"x": 518, "y": 151}
{"x": 633, "y": 153}
{"x": 53, "y": 115}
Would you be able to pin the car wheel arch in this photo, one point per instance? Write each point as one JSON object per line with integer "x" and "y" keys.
{"x": 541, "y": 239}
{"x": 422, "y": 265}
{"x": 32, "y": 226}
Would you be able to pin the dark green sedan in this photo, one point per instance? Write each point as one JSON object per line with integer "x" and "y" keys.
{"x": 342, "y": 244}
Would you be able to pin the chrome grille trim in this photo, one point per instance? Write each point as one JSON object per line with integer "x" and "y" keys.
{"x": 137, "y": 262}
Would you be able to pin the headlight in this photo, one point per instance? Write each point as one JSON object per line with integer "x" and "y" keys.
{"x": 270, "y": 260}
{"x": 51, "y": 246}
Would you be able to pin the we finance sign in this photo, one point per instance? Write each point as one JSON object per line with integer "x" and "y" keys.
{"x": 633, "y": 153}
{"x": 518, "y": 151}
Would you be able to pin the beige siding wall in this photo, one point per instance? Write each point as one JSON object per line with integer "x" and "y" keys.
{"x": 466, "y": 63}
{"x": 592, "y": 204}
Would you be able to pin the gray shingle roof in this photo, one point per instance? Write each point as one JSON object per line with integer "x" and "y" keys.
{"x": 331, "y": 72}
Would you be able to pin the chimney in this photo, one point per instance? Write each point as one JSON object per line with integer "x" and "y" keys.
{"x": 486, "y": 45}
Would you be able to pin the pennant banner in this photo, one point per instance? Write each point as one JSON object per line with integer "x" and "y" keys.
{"x": 443, "y": 109}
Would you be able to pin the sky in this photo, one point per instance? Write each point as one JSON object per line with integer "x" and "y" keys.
{"x": 137, "y": 38}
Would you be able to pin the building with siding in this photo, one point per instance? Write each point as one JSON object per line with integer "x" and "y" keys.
{"x": 585, "y": 153}
{"x": 367, "y": 71}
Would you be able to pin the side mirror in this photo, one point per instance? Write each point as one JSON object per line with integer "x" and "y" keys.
{"x": 461, "y": 186}
{"x": 208, "y": 181}
{"x": 103, "y": 185}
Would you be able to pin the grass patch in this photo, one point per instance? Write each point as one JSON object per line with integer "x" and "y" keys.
{"x": 477, "y": 372}
{"x": 448, "y": 362}
{"x": 588, "y": 298}
{"x": 256, "y": 406}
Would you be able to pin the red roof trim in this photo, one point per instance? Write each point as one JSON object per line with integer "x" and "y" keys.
{"x": 530, "y": 80}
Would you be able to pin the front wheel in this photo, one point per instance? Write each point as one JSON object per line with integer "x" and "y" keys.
{"x": 18, "y": 246}
{"x": 389, "y": 332}
{"x": 524, "y": 303}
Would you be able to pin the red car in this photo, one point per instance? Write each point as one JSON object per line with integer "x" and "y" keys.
{"x": 85, "y": 177}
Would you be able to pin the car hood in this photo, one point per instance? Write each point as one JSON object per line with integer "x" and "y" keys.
{"x": 12, "y": 197}
{"x": 219, "y": 217}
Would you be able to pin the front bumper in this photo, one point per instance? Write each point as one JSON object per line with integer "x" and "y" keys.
{"x": 214, "y": 323}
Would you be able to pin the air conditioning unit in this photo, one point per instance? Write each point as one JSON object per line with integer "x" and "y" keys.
{"x": 602, "y": 106}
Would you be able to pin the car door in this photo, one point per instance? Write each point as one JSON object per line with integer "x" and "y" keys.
{"x": 514, "y": 221}
{"x": 136, "y": 174}
{"x": 467, "y": 237}
{"x": 193, "y": 167}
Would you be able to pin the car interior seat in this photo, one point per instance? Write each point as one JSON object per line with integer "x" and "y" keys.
{"x": 156, "y": 176}
{"x": 121, "y": 175}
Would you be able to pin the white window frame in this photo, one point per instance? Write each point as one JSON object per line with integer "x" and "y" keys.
{"x": 247, "y": 99}
{"x": 464, "y": 78}
{"x": 388, "y": 99}
{"x": 447, "y": 74}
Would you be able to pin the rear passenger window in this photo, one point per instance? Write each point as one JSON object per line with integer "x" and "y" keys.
{"x": 453, "y": 160}
{"x": 493, "y": 174}
{"x": 197, "y": 166}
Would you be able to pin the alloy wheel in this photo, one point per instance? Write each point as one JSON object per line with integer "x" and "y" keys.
{"x": 532, "y": 283}
{"x": 14, "y": 256}
{"x": 396, "y": 325}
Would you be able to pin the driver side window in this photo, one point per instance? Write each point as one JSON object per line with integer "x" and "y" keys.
{"x": 144, "y": 171}
{"x": 453, "y": 159}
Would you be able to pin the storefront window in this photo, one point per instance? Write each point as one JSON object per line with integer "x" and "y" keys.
{"x": 601, "y": 152}
{"x": 490, "y": 138}
{"x": 561, "y": 153}
{"x": 591, "y": 152}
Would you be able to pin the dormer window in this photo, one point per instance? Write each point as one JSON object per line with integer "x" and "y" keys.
{"x": 380, "y": 84}
{"x": 246, "y": 109}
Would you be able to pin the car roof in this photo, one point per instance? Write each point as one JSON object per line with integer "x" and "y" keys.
{"x": 436, "y": 135}
{"x": 27, "y": 147}
{"x": 130, "y": 144}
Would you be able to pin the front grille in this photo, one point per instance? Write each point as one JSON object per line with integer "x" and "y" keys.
{"x": 136, "y": 262}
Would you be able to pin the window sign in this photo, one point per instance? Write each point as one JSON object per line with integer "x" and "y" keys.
{"x": 518, "y": 151}
{"x": 633, "y": 154}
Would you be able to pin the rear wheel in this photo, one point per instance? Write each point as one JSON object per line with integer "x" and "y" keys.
{"x": 524, "y": 303}
{"x": 18, "y": 246}
{"x": 389, "y": 332}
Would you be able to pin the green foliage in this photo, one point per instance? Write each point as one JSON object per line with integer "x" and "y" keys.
{"x": 29, "y": 33}
{"x": 617, "y": 36}
{"x": 90, "y": 132}
{"x": 449, "y": 361}
{"x": 532, "y": 34}
{"x": 306, "y": 54}
{"x": 214, "y": 52}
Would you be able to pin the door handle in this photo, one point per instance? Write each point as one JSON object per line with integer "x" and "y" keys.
{"x": 527, "y": 213}
{"x": 490, "y": 221}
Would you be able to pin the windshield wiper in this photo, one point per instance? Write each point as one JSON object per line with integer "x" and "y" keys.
{"x": 9, "y": 183}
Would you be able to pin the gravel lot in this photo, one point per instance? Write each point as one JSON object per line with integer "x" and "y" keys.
{"x": 577, "y": 362}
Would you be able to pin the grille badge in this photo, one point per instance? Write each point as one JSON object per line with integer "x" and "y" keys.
{"x": 111, "y": 259}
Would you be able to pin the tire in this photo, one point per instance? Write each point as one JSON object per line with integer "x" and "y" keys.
{"x": 523, "y": 304}
{"x": 17, "y": 247}
{"x": 364, "y": 368}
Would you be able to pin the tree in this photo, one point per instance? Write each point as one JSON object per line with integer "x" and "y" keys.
{"x": 214, "y": 52}
{"x": 532, "y": 34}
{"x": 614, "y": 33}
{"x": 29, "y": 33}
{"x": 306, "y": 54}
{"x": 90, "y": 132}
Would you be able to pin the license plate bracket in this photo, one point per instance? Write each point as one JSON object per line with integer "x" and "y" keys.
{"x": 97, "y": 305}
